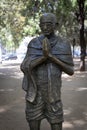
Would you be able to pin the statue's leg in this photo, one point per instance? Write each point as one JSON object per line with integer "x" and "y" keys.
{"x": 34, "y": 125}
{"x": 57, "y": 126}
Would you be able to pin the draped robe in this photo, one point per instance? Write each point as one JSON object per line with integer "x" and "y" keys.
{"x": 47, "y": 74}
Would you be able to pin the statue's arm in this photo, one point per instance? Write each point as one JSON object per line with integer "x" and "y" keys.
{"x": 69, "y": 69}
{"x": 30, "y": 63}
{"x": 40, "y": 60}
{"x": 36, "y": 62}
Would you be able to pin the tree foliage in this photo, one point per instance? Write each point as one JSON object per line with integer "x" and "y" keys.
{"x": 11, "y": 22}
{"x": 19, "y": 18}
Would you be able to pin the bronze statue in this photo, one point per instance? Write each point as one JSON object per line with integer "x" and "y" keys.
{"x": 47, "y": 57}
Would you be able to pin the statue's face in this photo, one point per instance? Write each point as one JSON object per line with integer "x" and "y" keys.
{"x": 47, "y": 26}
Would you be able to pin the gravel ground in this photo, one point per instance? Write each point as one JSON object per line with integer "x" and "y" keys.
{"x": 12, "y": 99}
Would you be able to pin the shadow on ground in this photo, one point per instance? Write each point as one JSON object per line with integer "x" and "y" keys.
{"x": 12, "y": 99}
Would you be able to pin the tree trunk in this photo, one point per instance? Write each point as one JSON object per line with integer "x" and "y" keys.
{"x": 82, "y": 39}
{"x": 83, "y": 50}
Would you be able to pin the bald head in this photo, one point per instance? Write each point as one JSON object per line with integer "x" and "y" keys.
{"x": 48, "y": 17}
{"x": 48, "y": 24}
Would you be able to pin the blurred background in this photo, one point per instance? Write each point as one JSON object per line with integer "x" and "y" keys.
{"x": 19, "y": 23}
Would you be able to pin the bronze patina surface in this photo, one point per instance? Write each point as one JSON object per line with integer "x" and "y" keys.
{"x": 47, "y": 57}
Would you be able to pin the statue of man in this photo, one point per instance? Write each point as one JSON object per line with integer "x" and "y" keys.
{"x": 47, "y": 57}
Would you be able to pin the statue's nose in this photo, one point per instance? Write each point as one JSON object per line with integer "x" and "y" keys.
{"x": 45, "y": 26}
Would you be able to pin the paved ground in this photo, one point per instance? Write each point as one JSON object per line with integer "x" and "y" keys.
{"x": 12, "y": 103}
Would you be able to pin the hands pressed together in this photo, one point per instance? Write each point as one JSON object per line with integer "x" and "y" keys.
{"x": 46, "y": 48}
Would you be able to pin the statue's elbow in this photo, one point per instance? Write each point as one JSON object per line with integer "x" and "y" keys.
{"x": 71, "y": 72}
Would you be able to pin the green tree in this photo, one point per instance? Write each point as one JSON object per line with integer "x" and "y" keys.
{"x": 19, "y": 18}
{"x": 11, "y": 20}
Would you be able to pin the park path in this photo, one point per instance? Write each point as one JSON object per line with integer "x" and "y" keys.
{"x": 12, "y": 99}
